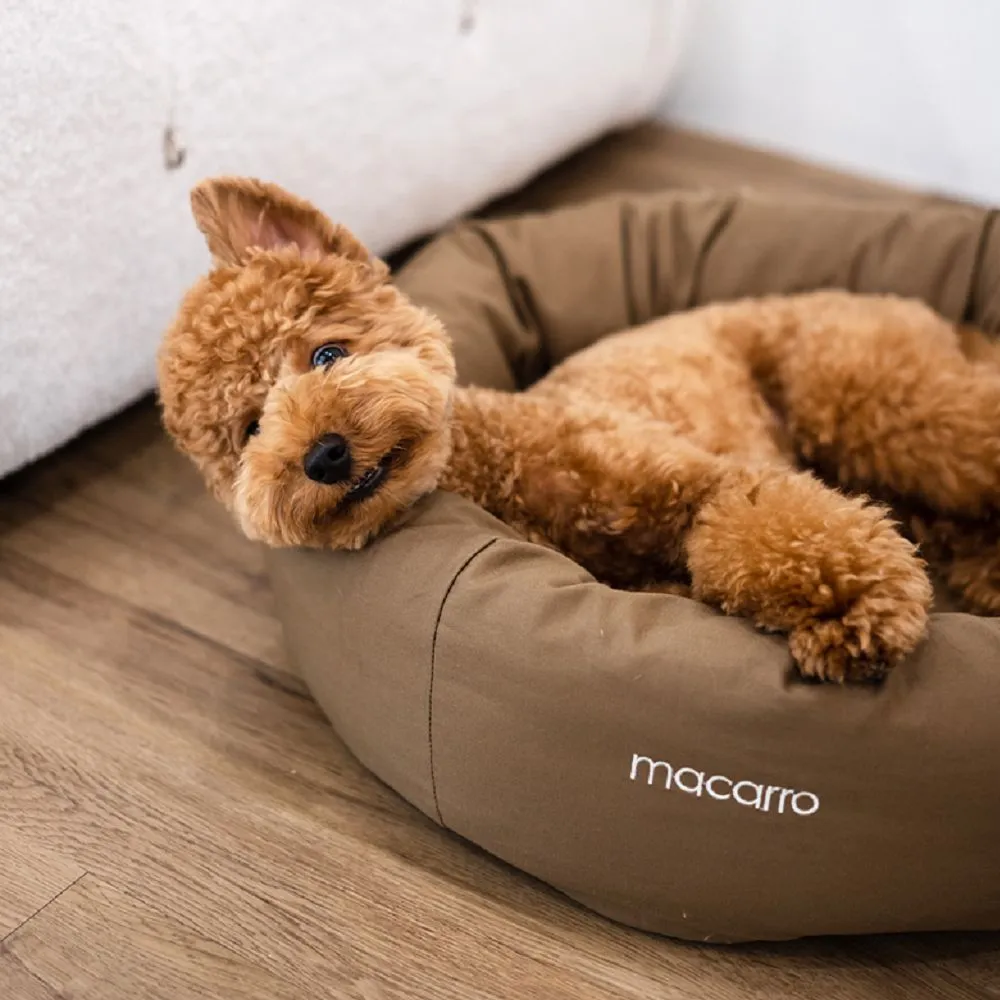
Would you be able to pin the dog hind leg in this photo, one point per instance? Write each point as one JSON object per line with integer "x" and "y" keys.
{"x": 879, "y": 394}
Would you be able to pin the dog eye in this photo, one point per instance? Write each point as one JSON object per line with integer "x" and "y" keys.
{"x": 327, "y": 354}
{"x": 252, "y": 428}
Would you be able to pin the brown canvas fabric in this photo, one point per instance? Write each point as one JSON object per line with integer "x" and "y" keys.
{"x": 653, "y": 759}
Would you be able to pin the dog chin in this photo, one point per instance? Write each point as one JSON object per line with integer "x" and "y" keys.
{"x": 353, "y": 526}
{"x": 292, "y": 512}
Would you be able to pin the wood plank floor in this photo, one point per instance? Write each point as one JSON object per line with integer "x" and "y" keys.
{"x": 177, "y": 820}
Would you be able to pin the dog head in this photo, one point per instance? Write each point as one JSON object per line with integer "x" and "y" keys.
{"x": 312, "y": 395}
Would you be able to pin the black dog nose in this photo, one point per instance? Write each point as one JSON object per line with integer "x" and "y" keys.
{"x": 328, "y": 461}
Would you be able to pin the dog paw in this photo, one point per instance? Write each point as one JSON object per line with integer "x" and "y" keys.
{"x": 966, "y": 555}
{"x": 979, "y": 584}
{"x": 863, "y": 645}
{"x": 829, "y": 571}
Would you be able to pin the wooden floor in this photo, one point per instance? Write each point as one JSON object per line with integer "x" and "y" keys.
{"x": 178, "y": 821}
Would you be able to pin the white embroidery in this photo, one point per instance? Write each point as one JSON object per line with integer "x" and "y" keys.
{"x": 750, "y": 794}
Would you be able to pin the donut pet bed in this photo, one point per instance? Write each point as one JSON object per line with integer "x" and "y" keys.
{"x": 650, "y": 758}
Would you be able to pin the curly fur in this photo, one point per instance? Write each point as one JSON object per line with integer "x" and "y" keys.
{"x": 664, "y": 457}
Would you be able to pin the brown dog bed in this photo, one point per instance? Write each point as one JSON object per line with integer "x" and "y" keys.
{"x": 649, "y": 757}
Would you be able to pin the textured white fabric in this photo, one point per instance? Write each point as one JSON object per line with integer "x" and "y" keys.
{"x": 393, "y": 115}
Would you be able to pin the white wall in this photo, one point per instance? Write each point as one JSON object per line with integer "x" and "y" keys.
{"x": 905, "y": 90}
{"x": 393, "y": 115}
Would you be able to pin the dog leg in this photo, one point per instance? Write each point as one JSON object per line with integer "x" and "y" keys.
{"x": 616, "y": 494}
{"x": 619, "y": 509}
{"x": 634, "y": 505}
{"x": 965, "y": 552}
{"x": 879, "y": 394}
{"x": 829, "y": 570}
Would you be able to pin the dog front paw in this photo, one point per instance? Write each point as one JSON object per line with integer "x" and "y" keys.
{"x": 837, "y": 652}
{"x": 830, "y": 571}
{"x": 878, "y": 631}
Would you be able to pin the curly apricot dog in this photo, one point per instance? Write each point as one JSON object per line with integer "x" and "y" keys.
{"x": 320, "y": 404}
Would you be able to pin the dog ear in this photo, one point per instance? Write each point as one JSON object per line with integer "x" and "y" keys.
{"x": 236, "y": 214}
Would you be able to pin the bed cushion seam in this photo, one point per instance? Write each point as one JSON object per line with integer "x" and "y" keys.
{"x": 430, "y": 688}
